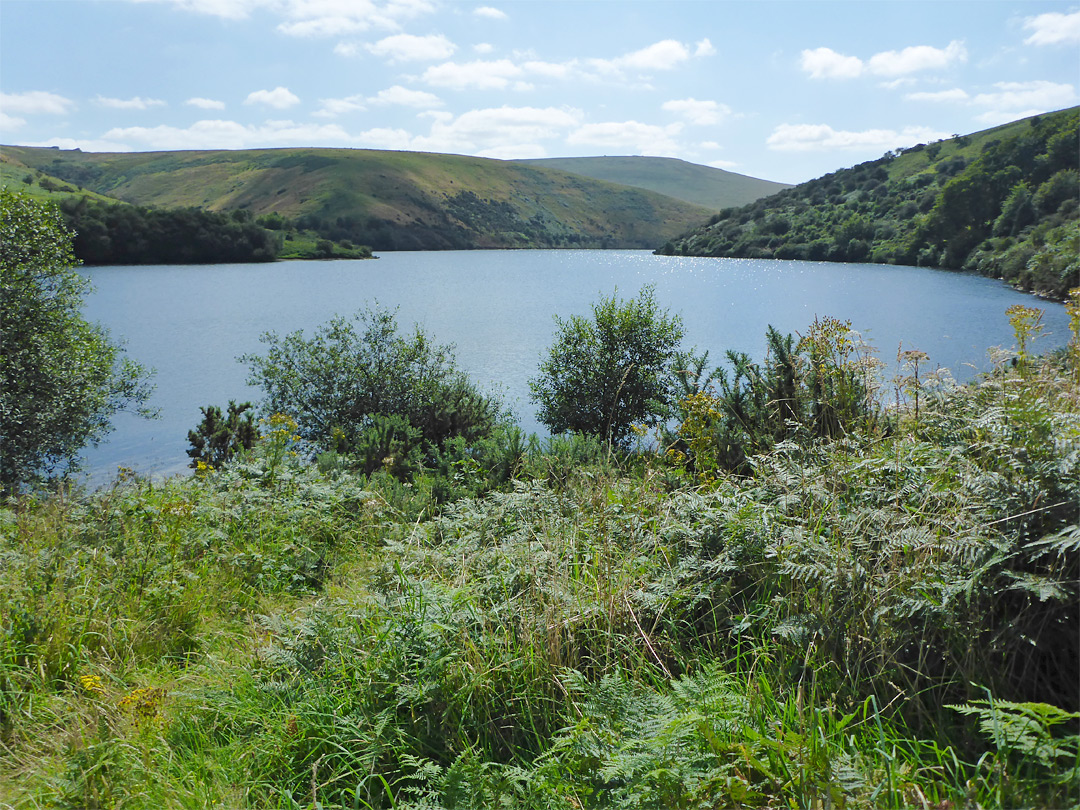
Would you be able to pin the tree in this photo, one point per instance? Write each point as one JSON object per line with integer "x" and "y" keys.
{"x": 605, "y": 374}
{"x": 61, "y": 378}
{"x": 335, "y": 383}
{"x": 221, "y": 436}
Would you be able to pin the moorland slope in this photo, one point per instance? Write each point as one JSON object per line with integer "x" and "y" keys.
{"x": 387, "y": 200}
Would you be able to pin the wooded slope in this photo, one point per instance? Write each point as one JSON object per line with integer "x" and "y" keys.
{"x": 1002, "y": 202}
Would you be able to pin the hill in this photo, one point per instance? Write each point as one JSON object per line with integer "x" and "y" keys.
{"x": 701, "y": 185}
{"x": 1002, "y": 202}
{"x": 388, "y": 200}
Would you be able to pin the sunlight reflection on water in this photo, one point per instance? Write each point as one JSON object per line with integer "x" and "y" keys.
{"x": 191, "y": 323}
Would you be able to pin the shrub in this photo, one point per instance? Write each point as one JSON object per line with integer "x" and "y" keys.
{"x": 219, "y": 437}
{"x": 336, "y": 383}
{"x": 606, "y": 373}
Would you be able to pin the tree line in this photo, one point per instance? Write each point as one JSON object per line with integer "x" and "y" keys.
{"x": 129, "y": 234}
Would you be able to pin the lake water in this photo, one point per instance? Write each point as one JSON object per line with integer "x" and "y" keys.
{"x": 190, "y": 323}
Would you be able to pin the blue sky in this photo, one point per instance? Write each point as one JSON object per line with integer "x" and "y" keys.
{"x": 785, "y": 90}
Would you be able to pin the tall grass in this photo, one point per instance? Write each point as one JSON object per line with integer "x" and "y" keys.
{"x": 887, "y": 618}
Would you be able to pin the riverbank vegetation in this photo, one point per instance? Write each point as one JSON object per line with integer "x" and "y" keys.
{"x": 1002, "y": 203}
{"x": 795, "y": 598}
{"x": 814, "y": 585}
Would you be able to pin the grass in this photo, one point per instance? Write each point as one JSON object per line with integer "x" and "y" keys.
{"x": 389, "y": 195}
{"x": 880, "y": 620}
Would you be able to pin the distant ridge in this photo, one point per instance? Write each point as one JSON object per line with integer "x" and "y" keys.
{"x": 691, "y": 182}
{"x": 387, "y": 200}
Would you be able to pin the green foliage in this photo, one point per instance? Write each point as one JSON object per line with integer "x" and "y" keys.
{"x": 1030, "y": 749}
{"x": 821, "y": 388}
{"x": 345, "y": 385}
{"x": 865, "y": 619}
{"x": 128, "y": 234}
{"x": 61, "y": 378}
{"x": 988, "y": 203}
{"x": 219, "y": 437}
{"x": 603, "y": 375}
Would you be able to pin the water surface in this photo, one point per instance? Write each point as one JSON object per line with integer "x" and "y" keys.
{"x": 191, "y": 322}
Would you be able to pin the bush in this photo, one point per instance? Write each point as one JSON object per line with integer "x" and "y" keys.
{"x": 337, "y": 383}
{"x": 603, "y": 375}
{"x": 219, "y": 437}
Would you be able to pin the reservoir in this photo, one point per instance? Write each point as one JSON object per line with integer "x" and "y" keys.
{"x": 192, "y": 322}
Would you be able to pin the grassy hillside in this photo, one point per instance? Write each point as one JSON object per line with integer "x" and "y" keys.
{"x": 1004, "y": 202}
{"x": 885, "y": 619}
{"x": 701, "y": 185}
{"x": 388, "y": 200}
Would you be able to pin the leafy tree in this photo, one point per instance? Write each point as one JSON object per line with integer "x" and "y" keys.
{"x": 220, "y": 436}
{"x": 61, "y": 378}
{"x": 606, "y": 373}
{"x": 335, "y": 383}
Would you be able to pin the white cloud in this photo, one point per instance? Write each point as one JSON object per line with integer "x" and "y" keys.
{"x": 489, "y": 13}
{"x": 410, "y": 48}
{"x": 663, "y": 55}
{"x": 328, "y": 26}
{"x": 35, "y": 102}
{"x": 993, "y": 118}
{"x": 231, "y": 135}
{"x": 499, "y": 131}
{"x": 825, "y": 63}
{"x": 136, "y": 103}
{"x": 333, "y": 107}
{"x": 329, "y": 18}
{"x": 953, "y": 96}
{"x": 1053, "y": 28}
{"x": 1042, "y": 96}
{"x": 631, "y": 137}
{"x": 550, "y": 70}
{"x": 404, "y": 97}
{"x": 306, "y": 18}
{"x": 917, "y": 58}
{"x": 205, "y": 103}
{"x": 704, "y": 48}
{"x": 385, "y": 138}
{"x": 478, "y": 75}
{"x": 347, "y": 49}
{"x": 227, "y": 9}
{"x": 483, "y": 48}
{"x": 822, "y": 137}
{"x": 10, "y": 122}
{"x": 279, "y": 98}
{"x": 85, "y": 144}
{"x": 702, "y": 113}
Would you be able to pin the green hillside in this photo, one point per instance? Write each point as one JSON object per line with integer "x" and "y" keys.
{"x": 1002, "y": 202}
{"x": 388, "y": 200}
{"x": 701, "y": 185}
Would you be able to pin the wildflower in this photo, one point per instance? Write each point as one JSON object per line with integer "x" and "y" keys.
{"x": 92, "y": 684}
{"x": 144, "y": 704}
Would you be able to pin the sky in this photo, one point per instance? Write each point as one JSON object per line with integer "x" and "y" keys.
{"x": 784, "y": 90}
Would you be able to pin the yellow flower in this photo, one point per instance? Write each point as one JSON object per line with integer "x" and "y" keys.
{"x": 92, "y": 684}
{"x": 144, "y": 704}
